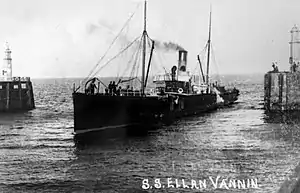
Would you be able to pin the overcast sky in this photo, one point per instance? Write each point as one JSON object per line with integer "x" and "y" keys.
{"x": 66, "y": 38}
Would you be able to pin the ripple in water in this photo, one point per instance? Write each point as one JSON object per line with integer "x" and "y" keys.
{"x": 38, "y": 153}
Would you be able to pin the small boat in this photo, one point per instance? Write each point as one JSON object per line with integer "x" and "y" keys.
{"x": 225, "y": 96}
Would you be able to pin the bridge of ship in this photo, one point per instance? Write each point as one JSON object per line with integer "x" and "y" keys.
{"x": 165, "y": 83}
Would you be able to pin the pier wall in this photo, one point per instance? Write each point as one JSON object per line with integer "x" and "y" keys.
{"x": 282, "y": 91}
{"x": 16, "y": 95}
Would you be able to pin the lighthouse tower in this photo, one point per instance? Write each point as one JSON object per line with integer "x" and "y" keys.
{"x": 295, "y": 49}
{"x": 6, "y": 70}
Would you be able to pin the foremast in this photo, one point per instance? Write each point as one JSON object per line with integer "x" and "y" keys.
{"x": 144, "y": 49}
{"x": 208, "y": 44}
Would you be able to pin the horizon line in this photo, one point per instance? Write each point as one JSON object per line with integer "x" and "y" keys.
{"x": 81, "y": 77}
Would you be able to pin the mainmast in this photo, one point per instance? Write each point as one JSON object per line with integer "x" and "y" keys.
{"x": 144, "y": 50}
{"x": 208, "y": 54}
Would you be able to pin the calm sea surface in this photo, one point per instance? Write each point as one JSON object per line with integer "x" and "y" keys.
{"x": 38, "y": 152}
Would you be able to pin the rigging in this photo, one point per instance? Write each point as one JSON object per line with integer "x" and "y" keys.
{"x": 100, "y": 60}
{"x": 122, "y": 51}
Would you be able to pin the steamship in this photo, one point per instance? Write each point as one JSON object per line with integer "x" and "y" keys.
{"x": 175, "y": 94}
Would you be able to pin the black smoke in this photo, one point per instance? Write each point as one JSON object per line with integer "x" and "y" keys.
{"x": 168, "y": 46}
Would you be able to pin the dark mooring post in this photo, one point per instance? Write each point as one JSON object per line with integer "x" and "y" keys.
{"x": 30, "y": 94}
{"x": 267, "y": 87}
{"x": 7, "y": 86}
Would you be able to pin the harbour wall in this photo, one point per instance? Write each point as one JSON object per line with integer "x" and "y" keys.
{"x": 282, "y": 91}
{"x": 16, "y": 95}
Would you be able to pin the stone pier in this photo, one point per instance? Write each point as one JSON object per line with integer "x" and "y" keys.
{"x": 282, "y": 91}
{"x": 16, "y": 95}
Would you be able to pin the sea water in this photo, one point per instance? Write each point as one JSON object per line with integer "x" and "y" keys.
{"x": 237, "y": 149}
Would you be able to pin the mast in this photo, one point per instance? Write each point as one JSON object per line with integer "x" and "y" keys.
{"x": 208, "y": 54}
{"x": 144, "y": 50}
{"x": 202, "y": 74}
{"x": 147, "y": 74}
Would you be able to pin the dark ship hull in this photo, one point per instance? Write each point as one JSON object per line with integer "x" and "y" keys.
{"x": 191, "y": 104}
{"x": 101, "y": 112}
{"x": 113, "y": 113}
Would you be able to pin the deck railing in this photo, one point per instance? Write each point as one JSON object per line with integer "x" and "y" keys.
{"x": 131, "y": 93}
{"x": 164, "y": 77}
{"x": 123, "y": 93}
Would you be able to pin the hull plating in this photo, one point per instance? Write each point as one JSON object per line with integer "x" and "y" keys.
{"x": 100, "y": 112}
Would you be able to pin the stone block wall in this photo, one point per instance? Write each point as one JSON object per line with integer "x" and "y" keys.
{"x": 282, "y": 91}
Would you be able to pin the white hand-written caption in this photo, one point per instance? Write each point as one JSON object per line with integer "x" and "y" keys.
{"x": 210, "y": 183}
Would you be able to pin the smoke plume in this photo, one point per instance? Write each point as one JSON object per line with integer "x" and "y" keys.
{"x": 168, "y": 46}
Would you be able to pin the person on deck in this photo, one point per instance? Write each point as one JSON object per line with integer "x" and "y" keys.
{"x": 114, "y": 87}
{"x": 119, "y": 91}
{"x": 296, "y": 66}
{"x": 110, "y": 88}
{"x": 187, "y": 87}
{"x": 273, "y": 65}
{"x": 173, "y": 70}
{"x": 275, "y": 68}
{"x": 92, "y": 86}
